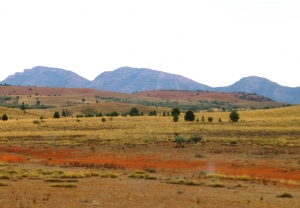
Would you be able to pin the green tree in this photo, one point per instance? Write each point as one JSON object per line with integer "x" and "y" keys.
{"x": 99, "y": 114}
{"x": 63, "y": 113}
{"x": 175, "y": 117}
{"x": 4, "y": 117}
{"x": 175, "y": 111}
{"x": 134, "y": 112}
{"x": 210, "y": 119}
{"x": 23, "y": 106}
{"x": 66, "y": 112}
{"x": 234, "y": 116}
{"x": 152, "y": 113}
{"x": 189, "y": 116}
{"x": 202, "y": 119}
{"x": 56, "y": 115}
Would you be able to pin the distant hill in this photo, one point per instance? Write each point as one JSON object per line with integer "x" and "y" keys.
{"x": 46, "y": 76}
{"x": 265, "y": 87}
{"x": 128, "y": 80}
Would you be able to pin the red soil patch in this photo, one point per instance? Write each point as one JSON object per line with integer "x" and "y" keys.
{"x": 11, "y": 158}
{"x": 142, "y": 161}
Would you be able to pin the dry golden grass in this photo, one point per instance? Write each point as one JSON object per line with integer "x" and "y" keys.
{"x": 265, "y": 127}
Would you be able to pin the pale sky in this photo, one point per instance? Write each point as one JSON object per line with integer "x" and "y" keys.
{"x": 214, "y": 42}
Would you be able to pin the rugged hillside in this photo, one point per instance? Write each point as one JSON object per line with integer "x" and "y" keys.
{"x": 46, "y": 76}
{"x": 128, "y": 80}
{"x": 265, "y": 87}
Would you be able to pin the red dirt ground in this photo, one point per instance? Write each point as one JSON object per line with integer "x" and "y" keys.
{"x": 132, "y": 159}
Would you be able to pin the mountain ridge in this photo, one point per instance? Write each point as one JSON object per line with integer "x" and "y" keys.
{"x": 129, "y": 80}
{"x": 46, "y": 76}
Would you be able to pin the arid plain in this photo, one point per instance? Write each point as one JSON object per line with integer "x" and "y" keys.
{"x": 131, "y": 161}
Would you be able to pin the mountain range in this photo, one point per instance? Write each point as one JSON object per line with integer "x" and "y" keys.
{"x": 128, "y": 80}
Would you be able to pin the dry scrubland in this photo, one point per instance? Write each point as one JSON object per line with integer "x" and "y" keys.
{"x": 132, "y": 161}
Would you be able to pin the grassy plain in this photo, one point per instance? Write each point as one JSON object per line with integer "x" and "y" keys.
{"x": 132, "y": 161}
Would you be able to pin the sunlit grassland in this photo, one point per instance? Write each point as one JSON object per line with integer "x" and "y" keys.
{"x": 275, "y": 127}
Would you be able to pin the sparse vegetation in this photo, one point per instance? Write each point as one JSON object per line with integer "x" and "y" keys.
{"x": 234, "y": 116}
{"x": 64, "y": 185}
{"x": 62, "y": 151}
{"x": 285, "y": 195}
{"x": 189, "y": 116}
{"x": 134, "y": 112}
{"x": 175, "y": 111}
{"x": 56, "y": 115}
{"x": 216, "y": 185}
{"x": 4, "y": 117}
{"x": 196, "y": 138}
{"x": 180, "y": 140}
{"x": 175, "y": 118}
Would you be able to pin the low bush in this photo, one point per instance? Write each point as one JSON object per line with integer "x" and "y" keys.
{"x": 36, "y": 122}
{"x": 110, "y": 175}
{"x": 54, "y": 180}
{"x": 217, "y": 185}
{"x": 3, "y": 184}
{"x": 64, "y": 185}
{"x": 285, "y": 195}
{"x": 150, "y": 170}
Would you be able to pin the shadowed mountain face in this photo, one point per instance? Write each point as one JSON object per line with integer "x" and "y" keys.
{"x": 128, "y": 80}
{"x": 264, "y": 87}
{"x": 46, "y": 76}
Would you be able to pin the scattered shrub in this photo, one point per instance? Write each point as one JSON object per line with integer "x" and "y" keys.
{"x": 233, "y": 142}
{"x": 64, "y": 185}
{"x": 189, "y": 116}
{"x": 140, "y": 172}
{"x": 3, "y": 184}
{"x": 36, "y": 122}
{"x": 54, "y": 180}
{"x": 3, "y": 164}
{"x": 4, "y": 117}
{"x": 152, "y": 113}
{"x": 134, "y": 112}
{"x": 150, "y": 170}
{"x": 110, "y": 175}
{"x": 202, "y": 172}
{"x": 179, "y": 141}
{"x": 285, "y": 195}
{"x": 196, "y": 138}
{"x": 175, "y": 117}
{"x": 217, "y": 185}
{"x": 175, "y": 111}
{"x": 199, "y": 155}
{"x": 234, "y": 116}
{"x": 150, "y": 177}
{"x": 56, "y": 115}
